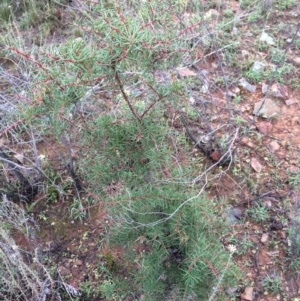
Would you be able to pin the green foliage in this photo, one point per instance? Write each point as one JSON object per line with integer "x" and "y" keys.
{"x": 285, "y": 4}
{"x": 253, "y": 76}
{"x": 130, "y": 155}
{"x": 245, "y": 3}
{"x": 272, "y": 284}
{"x": 258, "y": 213}
{"x": 5, "y": 11}
{"x": 77, "y": 211}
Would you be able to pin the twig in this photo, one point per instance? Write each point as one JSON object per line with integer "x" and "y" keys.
{"x": 126, "y": 97}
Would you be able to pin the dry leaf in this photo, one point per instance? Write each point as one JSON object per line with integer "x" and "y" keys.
{"x": 186, "y": 72}
{"x": 256, "y": 165}
{"x": 248, "y": 294}
{"x": 19, "y": 157}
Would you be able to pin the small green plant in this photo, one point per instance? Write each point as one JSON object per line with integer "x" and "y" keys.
{"x": 293, "y": 177}
{"x": 277, "y": 55}
{"x": 237, "y": 99}
{"x": 253, "y": 76}
{"x": 258, "y": 213}
{"x": 107, "y": 289}
{"x": 77, "y": 211}
{"x": 129, "y": 147}
{"x": 228, "y": 13}
{"x": 285, "y": 4}
{"x": 272, "y": 284}
{"x": 254, "y": 16}
{"x": 5, "y": 11}
{"x": 245, "y": 3}
{"x": 297, "y": 43}
{"x": 244, "y": 245}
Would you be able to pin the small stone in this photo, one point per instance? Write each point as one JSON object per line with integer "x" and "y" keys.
{"x": 266, "y": 108}
{"x": 108, "y": 95}
{"x": 283, "y": 143}
{"x": 75, "y": 271}
{"x": 236, "y": 90}
{"x": 234, "y": 31}
{"x": 246, "y": 141}
{"x": 64, "y": 271}
{"x": 248, "y": 294}
{"x": 297, "y": 60}
{"x": 283, "y": 234}
{"x": 264, "y": 127}
{"x": 267, "y": 204}
{"x": 279, "y": 91}
{"x": 234, "y": 215}
{"x": 192, "y": 101}
{"x": 266, "y": 38}
{"x": 258, "y": 67}
{"x": 231, "y": 291}
{"x": 291, "y": 101}
{"x": 211, "y": 13}
{"x": 19, "y": 157}
{"x": 78, "y": 262}
{"x": 264, "y": 88}
{"x": 274, "y": 146}
{"x": 245, "y": 53}
{"x": 255, "y": 164}
{"x": 247, "y": 86}
{"x": 264, "y": 238}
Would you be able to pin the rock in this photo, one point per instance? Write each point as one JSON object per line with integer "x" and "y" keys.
{"x": 247, "y": 86}
{"x": 264, "y": 88}
{"x": 234, "y": 31}
{"x": 258, "y": 67}
{"x": 20, "y": 158}
{"x": 231, "y": 94}
{"x": 264, "y": 127}
{"x": 185, "y": 71}
{"x": 274, "y": 146}
{"x": 234, "y": 215}
{"x": 291, "y": 101}
{"x": 267, "y": 203}
{"x": 231, "y": 291}
{"x": 211, "y": 13}
{"x": 266, "y": 38}
{"x": 75, "y": 271}
{"x": 266, "y": 108}
{"x": 248, "y": 294}
{"x": 64, "y": 271}
{"x": 279, "y": 91}
{"x": 245, "y": 53}
{"x": 297, "y": 60}
{"x": 192, "y": 100}
{"x": 236, "y": 90}
{"x": 246, "y": 141}
{"x": 78, "y": 262}
{"x": 255, "y": 164}
{"x": 264, "y": 238}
